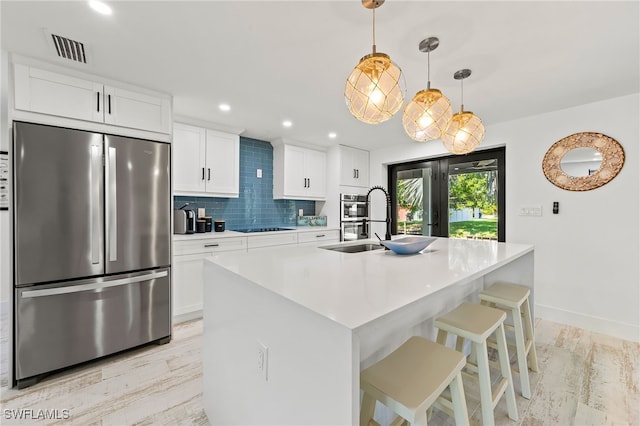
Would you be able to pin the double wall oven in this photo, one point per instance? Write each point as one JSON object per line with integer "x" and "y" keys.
{"x": 353, "y": 212}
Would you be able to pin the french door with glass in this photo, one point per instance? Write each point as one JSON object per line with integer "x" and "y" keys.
{"x": 454, "y": 196}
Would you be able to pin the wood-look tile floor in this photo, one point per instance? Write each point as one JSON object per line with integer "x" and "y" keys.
{"x": 584, "y": 378}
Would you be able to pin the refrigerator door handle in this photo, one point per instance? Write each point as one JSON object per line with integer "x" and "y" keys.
{"x": 93, "y": 286}
{"x": 96, "y": 175}
{"x": 112, "y": 207}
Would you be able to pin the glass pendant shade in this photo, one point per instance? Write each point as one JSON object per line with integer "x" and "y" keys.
{"x": 427, "y": 115}
{"x": 375, "y": 89}
{"x": 464, "y": 133}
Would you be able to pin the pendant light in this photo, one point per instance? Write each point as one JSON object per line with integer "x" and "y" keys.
{"x": 465, "y": 130}
{"x": 374, "y": 91}
{"x": 429, "y": 112}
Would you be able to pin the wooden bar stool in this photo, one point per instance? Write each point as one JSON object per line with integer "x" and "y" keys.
{"x": 514, "y": 299}
{"x": 477, "y": 323}
{"x": 411, "y": 379}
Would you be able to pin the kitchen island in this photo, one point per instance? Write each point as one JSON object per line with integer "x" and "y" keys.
{"x": 288, "y": 329}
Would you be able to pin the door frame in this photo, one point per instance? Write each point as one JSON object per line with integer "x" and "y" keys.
{"x": 440, "y": 185}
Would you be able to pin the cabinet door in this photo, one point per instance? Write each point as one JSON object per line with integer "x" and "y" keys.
{"x": 187, "y": 283}
{"x": 57, "y": 94}
{"x": 361, "y": 165}
{"x": 315, "y": 164}
{"x": 222, "y": 164}
{"x": 295, "y": 183}
{"x": 189, "y": 153}
{"x": 354, "y": 166}
{"x": 136, "y": 110}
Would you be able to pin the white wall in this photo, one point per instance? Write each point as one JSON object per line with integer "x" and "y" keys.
{"x": 587, "y": 258}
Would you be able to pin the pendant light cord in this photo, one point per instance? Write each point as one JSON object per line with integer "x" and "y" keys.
{"x": 374, "y": 29}
{"x": 428, "y": 69}
{"x": 461, "y": 95}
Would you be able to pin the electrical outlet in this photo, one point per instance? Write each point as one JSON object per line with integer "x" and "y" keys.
{"x": 262, "y": 360}
{"x": 201, "y": 212}
{"x": 259, "y": 173}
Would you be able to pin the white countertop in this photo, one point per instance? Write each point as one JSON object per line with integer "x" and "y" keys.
{"x": 227, "y": 234}
{"x": 205, "y": 235}
{"x": 355, "y": 288}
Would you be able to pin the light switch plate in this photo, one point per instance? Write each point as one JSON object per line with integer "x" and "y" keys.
{"x": 530, "y": 210}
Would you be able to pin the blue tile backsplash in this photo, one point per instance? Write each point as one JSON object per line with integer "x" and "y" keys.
{"x": 255, "y": 208}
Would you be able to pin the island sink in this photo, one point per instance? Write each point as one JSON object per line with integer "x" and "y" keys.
{"x": 355, "y": 248}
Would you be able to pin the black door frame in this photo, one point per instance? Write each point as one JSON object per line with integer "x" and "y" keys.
{"x": 440, "y": 185}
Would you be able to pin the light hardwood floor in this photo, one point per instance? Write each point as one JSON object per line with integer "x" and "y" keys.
{"x": 585, "y": 378}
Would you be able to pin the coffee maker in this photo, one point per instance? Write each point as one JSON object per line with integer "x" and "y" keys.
{"x": 184, "y": 220}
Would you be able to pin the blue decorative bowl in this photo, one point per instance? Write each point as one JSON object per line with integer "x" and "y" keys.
{"x": 408, "y": 245}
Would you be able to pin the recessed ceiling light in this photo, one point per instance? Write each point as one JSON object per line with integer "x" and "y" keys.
{"x": 287, "y": 123}
{"x": 333, "y": 135}
{"x": 100, "y": 7}
{"x": 224, "y": 107}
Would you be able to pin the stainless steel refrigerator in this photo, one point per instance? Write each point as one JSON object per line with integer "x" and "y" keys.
{"x": 92, "y": 248}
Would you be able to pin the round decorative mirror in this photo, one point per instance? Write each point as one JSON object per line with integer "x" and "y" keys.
{"x": 583, "y": 161}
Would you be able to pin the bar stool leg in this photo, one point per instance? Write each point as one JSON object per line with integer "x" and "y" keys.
{"x": 367, "y": 409}
{"x": 484, "y": 382}
{"x": 533, "y": 358}
{"x": 505, "y": 368}
{"x": 522, "y": 352}
{"x": 459, "y": 404}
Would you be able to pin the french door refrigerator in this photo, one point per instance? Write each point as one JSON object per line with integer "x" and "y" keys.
{"x": 92, "y": 243}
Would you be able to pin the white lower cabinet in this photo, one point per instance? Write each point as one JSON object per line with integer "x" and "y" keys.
{"x": 188, "y": 266}
{"x": 272, "y": 239}
{"x": 319, "y": 237}
{"x": 189, "y": 255}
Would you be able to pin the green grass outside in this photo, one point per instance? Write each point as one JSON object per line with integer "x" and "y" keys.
{"x": 480, "y": 228}
{"x": 476, "y": 228}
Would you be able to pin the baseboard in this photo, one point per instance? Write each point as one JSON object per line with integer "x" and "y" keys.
{"x": 599, "y": 325}
{"x": 177, "y": 319}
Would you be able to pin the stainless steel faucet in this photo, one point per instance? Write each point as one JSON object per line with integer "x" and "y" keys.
{"x": 387, "y": 235}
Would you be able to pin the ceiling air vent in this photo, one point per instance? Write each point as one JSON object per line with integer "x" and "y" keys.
{"x": 69, "y": 49}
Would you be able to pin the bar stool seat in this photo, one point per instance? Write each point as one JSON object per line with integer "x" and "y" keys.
{"x": 514, "y": 299}
{"x": 477, "y": 323}
{"x": 411, "y": 379}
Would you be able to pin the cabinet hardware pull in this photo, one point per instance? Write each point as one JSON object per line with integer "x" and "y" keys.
{"x": 212, "y": 245}
{"x": 109, "y": 102}
{"x": 208, "y": 174}
{"x": 357, "y": 174}
{"x": 320, "y": 235}
{"x": 308, "y": 182}
{"x": 354, "y": 173}
{"x": 203, "y": 173}
{"x": 98, "y": 103}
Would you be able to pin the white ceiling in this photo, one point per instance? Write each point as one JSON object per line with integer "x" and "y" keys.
{"x": 273, "y": 61}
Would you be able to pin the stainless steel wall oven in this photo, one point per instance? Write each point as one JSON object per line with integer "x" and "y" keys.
{"x": 353, "y": 212}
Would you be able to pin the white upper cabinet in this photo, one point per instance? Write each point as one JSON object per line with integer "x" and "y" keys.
{"x": 205, "y": 162}
{"x": 136, "y": 110}
{"x": 189, "y": 156}
{"x": 52, "y": 93}
{"x": 354, "y": 166}
{"x": 299, "y": 173}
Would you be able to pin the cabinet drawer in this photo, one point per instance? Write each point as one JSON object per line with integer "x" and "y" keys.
{"x": 209, "y": 245}
{"x": 275, "y": 239}
{"x": 319, "y": 236}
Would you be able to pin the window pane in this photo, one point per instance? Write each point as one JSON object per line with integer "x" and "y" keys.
{"x": 473, "y": 203}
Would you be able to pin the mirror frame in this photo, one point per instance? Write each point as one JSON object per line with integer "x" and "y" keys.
{"x": 612, "y": 161}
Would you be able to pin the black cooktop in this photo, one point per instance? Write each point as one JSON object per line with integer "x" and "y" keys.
{"x": 248, "y": 230}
